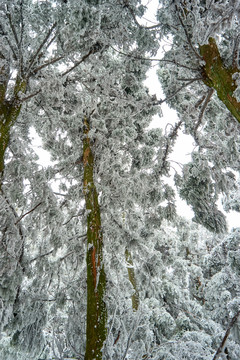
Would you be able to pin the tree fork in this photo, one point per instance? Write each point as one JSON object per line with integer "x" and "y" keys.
{"x": 218, "y": 77}
{"x": 96, "y": 279}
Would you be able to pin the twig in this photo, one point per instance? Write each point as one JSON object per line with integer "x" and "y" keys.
{"x": 42, "y": 255}
{"x": 13, "y": 27}
{"x": 117, "y": 338}
{"x": 223, "y": 342}
{"x": 28, "y": 212}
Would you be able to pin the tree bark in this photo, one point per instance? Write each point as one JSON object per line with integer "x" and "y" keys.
{"x": 219, "y": 77}
{"x": 132, "y": 279}
{"x": 9, "y": 112}
{"x": 96, "y": 279}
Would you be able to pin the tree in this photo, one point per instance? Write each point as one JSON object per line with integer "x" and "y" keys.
{"x": 200, "y": 61}
{"x": 105, "y": 267}
{"x": 39, "y": 74}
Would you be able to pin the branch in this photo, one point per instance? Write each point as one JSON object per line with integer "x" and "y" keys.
{"x": 28, "y": 212}
{"x": 154, "y": 59}
{"x": 21, "y": 22}
{"x": 187, "y": 35}
{"x": 12, "y": 48}
{"x": 41, "y": 46}
{"x": 91, "y": 51}
{"x": 235, "y": 54}
{"x": 126, "y": 4}
{"x": 40, "y": 256}
{"x": 223, "y": 342}
{"x": 30, "y": 96}
{"x": 159, "y": 102}
{"x": 13, "y": 27}
{"x": 49, "y": 62}
{"x": 208, "y": 98}
{"x": 170, "y": 138}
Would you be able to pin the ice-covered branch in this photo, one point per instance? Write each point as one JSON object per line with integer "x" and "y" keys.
{"x": 155, "y": 59}
{"x": 187, "y": 35}
{"x": 159, "y": 102}
{"x": 223, "y": 342}
{"x": 41, "y": 46}
{"x": 28, "y": 212}
{"x": 131, "y": 12}
{"x": 208, "y": 98}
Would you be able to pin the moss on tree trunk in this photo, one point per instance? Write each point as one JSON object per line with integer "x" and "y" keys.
{"x": 96, "y": 279}
{"x": 219, "y": 77}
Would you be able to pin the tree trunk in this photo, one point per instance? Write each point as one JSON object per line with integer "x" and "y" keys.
{"x": 132, "y": 279}
{"x": 9, "y": 112}
{"x": 217, "y": 76}
{"x": 96, "y": 279}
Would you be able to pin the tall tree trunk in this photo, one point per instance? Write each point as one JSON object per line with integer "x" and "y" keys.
{"x": 96, "y": 279}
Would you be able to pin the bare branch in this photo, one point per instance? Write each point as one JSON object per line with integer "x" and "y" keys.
{"x": 223, "y": 342}
{"x": 27, "y": 213}
{"x": 41, "y": 46}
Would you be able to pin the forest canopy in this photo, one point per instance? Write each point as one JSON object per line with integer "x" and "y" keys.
{"x": 95, "y": 260}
